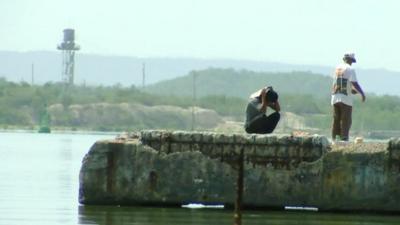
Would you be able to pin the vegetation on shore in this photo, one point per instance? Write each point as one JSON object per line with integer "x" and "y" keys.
{"x": 167, "y": 105}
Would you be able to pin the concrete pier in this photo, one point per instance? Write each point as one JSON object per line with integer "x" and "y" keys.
{"x": 173, "y": 168}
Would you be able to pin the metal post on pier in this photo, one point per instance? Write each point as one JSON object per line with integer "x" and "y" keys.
{"x": 239, "y": 190}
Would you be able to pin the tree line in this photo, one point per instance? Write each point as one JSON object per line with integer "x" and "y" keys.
{"x": 21, "y": 105}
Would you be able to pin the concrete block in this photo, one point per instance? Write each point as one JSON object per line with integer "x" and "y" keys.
{"x": 244, "y": 138}
{"x": 282, "y": 152}
{"x": 223, "y": 138}
{"x": 248, "y": 149}
{"x": 186, "y": 137}
{"x": 196, "y": 147}
{"x": 320, "y": 141}
{"x": 208, "y": 137}
{"x": 144, "y": 135}
{"x": 284, "y": 140}
{"x": 307, "y": 153}
{"x": 293, "y": 151}
{"x": 155, "y": 135}
{"x": 395, "y": 153}
{"x": 261, "y": 139}
{"x": 186, "y": 147}
{"x": 207, "y": 148}
{"x": 267, "y": 151}
{"x": 197, "y": 137}
{"x": 164, "y": 147}
{"x": 273, "y": 140}
{"x": 176, "y": 147}
{"x": 307, "y": 141}
{"x": 176, "y": 135}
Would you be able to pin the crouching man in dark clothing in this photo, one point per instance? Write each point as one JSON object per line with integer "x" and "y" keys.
{"x": 257, "y": 122}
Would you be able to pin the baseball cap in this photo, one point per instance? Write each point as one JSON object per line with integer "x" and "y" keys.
{"x": 351, "y": 56}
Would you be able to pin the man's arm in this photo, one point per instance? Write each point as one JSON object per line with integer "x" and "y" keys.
{"x": 275, "y": 106}
{"x": 264, "y": 102}
{"x": 359, "y": 90}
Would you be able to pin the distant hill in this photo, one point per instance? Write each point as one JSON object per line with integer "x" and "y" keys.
{"x": 242, "y": 83}
{"x": 110, "y": 70}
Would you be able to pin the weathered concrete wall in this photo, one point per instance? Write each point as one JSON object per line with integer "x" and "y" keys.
{"x": 171, "y": 168}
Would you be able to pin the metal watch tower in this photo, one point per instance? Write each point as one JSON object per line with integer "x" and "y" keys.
{"x": 68, "y": 48}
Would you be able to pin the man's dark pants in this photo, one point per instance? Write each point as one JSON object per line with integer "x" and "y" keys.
{"x": 264, "y": 124}
{"x": 341, "y": 121}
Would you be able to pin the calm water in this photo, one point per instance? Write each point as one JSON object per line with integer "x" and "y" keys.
{"x": 39, "y": 185}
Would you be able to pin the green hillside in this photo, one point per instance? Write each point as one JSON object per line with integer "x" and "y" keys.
{"x": 304, "y": 96}
{"x": 242, "y": 83}
{"x": 302, "y": 93}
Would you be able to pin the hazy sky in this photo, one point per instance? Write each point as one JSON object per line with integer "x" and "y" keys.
{"x": 291, "y": 31}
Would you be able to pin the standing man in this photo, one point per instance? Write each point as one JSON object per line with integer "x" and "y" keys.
{"x": 256, "y": 120}
{"x": 344, "y": 84}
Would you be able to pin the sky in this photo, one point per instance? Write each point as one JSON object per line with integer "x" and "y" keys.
{"x": 314, "y": 32}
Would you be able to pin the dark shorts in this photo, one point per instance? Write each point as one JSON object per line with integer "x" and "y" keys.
{"x": 264, "y": 124}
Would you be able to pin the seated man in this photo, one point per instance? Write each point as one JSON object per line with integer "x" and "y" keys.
{"x": 256, "y": 120}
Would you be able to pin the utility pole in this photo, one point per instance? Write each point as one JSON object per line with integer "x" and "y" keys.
{"x": 143, "y": 75}
{"x": 32, "y": 74}
{"x": 194, "y": 100}
{"x": 237, "y": 216}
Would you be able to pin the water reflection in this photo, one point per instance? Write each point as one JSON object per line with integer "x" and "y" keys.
{"x": 66, "y": 171}
{"x": 112, "y": 215}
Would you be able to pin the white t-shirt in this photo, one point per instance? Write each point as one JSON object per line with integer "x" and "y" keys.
{"x": 342, "y": 78}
